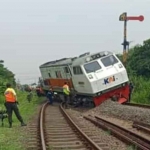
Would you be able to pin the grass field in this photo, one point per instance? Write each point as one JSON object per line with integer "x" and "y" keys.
{"x": 15, "y": 138}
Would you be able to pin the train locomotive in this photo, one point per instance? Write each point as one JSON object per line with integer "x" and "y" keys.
{"x": 93, "y": 78}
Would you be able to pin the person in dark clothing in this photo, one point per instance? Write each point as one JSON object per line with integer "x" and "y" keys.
{"x": 11, "y": 105}
{"x": 50, "y": 96}
{"x": 131, "y": 87}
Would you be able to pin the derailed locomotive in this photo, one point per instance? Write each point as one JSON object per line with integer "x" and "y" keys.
{"x": 91, "y": 77}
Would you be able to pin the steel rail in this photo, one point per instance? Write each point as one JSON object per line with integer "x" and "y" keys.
{"x": 122, "y": 133}
{"x": 143, "y": 126}
{"x": 42, "y": 139}
{"x": 137, "y": 105}
{"x": 93, "y": 144}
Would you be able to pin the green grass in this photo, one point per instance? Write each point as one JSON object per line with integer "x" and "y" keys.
{"x": 141, "y": 92}
{"x": 132, "y": 147}
{"x": 108, "y": 132}
{"x": 15, "y": 138}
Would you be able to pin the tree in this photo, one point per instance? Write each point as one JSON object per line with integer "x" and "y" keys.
{"x": 138, "y": 62}
{"x": 5, "y": 77}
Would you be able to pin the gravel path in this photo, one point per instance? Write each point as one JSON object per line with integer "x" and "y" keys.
{"x": 114, "y": 109}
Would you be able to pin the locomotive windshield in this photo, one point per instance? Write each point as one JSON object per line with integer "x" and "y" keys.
{"x": 92, "y": 67}
{"x": 108, "y": 61}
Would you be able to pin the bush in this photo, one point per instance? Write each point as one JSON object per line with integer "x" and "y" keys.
{"x": 141, "y": 93}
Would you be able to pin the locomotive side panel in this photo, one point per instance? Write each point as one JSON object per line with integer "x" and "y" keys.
{"x": 45, "y": 78}
{"x": 80, "y": 81}
{"x": 55, "y": 76}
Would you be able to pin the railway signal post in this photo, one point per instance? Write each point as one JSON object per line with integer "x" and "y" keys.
{"x": 125, "y": 18}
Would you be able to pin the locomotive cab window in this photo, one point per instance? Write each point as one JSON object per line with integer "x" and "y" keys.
{"x": 49, "y": 75}
{"x": 92, "y": 67}
{"x": 58, "y": 74}
{"x": 66, "y": 69}
{"x": 77, "y": 70}
{"x": 108, "y": 61}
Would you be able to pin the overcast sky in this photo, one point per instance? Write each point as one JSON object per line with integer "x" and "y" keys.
{"x": 33, "y": 32}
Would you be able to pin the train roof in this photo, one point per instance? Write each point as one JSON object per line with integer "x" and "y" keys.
{"x": 63, "y": 61}
{"x": 74, "y": 60}
{"x": 82, "y": 60}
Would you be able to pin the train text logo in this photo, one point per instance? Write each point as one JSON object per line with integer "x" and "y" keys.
{"x": 109, "y": 80}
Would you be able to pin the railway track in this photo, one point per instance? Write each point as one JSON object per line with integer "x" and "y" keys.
{"x": 125, "y": 135}
{"x": 137, "y": 105}
{"x": 58, "y": 131}
{"x": 141, "y": 126}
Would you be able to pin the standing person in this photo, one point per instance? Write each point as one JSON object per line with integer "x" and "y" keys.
{"x": 29, "y": 96}
{"x": 50, "y": 95}
{"x": 131, "y": 87}
{"x": 11, "y": 105}
{"x": 66, "y": 93}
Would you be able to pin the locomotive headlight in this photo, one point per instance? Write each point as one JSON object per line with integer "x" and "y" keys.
{"x": 87, "y": 59}
{"x": 105, "y": 53}
{"x": 98, "y": 94}
{"x": 90, "y": 76}
{"x": 123, "y": 84}
{"x": 120, "y": 66}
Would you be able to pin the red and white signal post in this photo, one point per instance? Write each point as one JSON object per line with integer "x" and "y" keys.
{"x": 125, "y": 18}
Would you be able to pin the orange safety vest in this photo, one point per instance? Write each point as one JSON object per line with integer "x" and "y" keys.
{"x": 9, "y": 96}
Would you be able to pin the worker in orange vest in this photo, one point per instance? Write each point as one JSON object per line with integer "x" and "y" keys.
{"x": 66, "y": 93}
{"x": 11, "y": 105}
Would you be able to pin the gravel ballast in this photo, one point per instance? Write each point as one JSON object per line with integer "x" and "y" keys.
{"x": 114, "y": 109}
